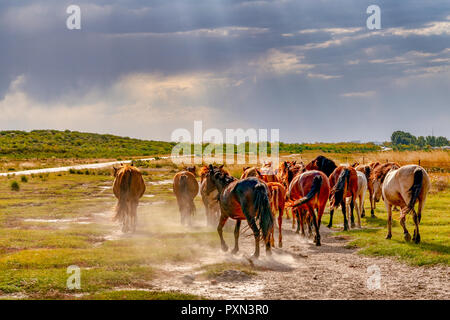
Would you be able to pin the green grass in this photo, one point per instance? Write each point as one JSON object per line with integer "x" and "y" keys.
{"x": 434, "y": 230}
{"x": 34, "y": 254}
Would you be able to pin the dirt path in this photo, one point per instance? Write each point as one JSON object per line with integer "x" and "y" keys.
{"x": 301, "y": 270}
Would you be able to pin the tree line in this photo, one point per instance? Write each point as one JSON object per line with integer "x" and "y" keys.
{"x": 404, "y": 139}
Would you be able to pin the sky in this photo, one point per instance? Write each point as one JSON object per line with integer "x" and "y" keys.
{"x": 310, "y": 68}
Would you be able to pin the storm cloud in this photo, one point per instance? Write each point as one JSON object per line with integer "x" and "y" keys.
{"x": 144, "y": 68}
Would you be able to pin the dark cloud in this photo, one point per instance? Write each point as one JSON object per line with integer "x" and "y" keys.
{"x": 311, "y": 84}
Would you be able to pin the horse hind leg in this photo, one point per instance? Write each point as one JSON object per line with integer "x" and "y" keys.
{"x": 236, "y": 236}
{"x": 280, "y": 221}
{"x": 316, "y": 227}
{"x": 345, "y": 216}
{"x": 222, "y": 221}
{"x": 352, "y": 209}
{"x": 256, "y": 233}
{"x": 403, "y": 224}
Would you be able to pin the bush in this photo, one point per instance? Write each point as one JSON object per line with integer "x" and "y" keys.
{"x": 15, "y": 186}
{"x": 24, "y": 179}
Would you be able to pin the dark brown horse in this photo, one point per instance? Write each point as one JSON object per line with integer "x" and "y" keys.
{"x": 128, "y": 188}
{"x": 243, "y": 199}
{"x": 277, "y": 196}
{"x": 344, "y": 184}
{"x": 323, "y": 164}
{"x": 185, "y": 188}
{"x": 367, "y": 169}
{"x": 309, "y": 191}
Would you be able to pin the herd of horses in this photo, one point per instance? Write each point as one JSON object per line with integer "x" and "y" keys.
{"x": 261, "y": 194}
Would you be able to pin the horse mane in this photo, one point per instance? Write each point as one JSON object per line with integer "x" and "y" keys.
{"x": 380, "y": 171}
{"x": 324, "y": 164}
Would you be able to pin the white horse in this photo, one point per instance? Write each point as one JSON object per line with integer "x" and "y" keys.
{"x": 403, "y": 187}
{"x": 360, "y": 195}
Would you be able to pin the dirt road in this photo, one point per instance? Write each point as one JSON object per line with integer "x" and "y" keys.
{"x": 301, "y": 270}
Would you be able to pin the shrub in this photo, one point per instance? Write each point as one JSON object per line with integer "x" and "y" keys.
{"x": 15, "y": 186}
{"x": 24, "y": 179}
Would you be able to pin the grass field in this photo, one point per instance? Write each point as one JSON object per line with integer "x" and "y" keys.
{"x": 62, "y": 219}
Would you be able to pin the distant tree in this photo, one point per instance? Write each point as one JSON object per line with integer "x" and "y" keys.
{"x": 401, "y": 137}
{"x": 442, "y": 141}
{"x": 431, "y": 140}
{"x": 421, "y": 141}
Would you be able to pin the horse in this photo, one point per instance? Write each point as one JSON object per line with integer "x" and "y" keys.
{"x": 239, "y": 200}
{"x": 185, "y": 188}
{"x": 403, "y": 187}
{"x": 277, "y": 197}
{"x": 309, "y": 191}
{"x": 367, "y": 169}
{"x": 210, "y": 200}
{"x": 128, "y": 187}
{"x": 323, "y": 164}
{"x": 360, "y": 195}
{"x": 344, "y": 183}
{"x": 268, "y": 173}
{"x": 251, "y": 172}
{"x": 287, "y": 170}
{"x": 377, "y": 176}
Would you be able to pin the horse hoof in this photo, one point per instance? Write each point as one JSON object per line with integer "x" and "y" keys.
{"x": 353, "y": 225}
{"x": 389, "y": 236}
{"x": 373, "y": 216}
{"x": 372, "y": 213}
{"x": 234, "y": 251}
{"x": 417, "y": 240}
{"x": 318, "y": 243}
{"x": 280, "y": 245}
{"x": 363, "y": 215}
{"x": 329, "y": 226}
{"x": 224, "y": 248}
{"x": 407, "y": 237}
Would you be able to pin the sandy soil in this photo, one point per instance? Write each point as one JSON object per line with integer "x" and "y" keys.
{"x": 301, "y": 270}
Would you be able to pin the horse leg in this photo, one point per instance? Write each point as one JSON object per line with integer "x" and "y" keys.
{"x": 309, "y": 222}
{"x": 236, "y": 236}
{"x": 389, "y": 220}
{"x": 280, "y": 221}
{"x": 294, "y": 214}
{"x": 331, "y": 218}
{"x": 255, "y": 230}
{"x": 133, "y": 216}
{"x": 403, "y": 224}
{"x": 223, "y": 219}
{"x": 345, "y": 215}
{"x": 300, "y": 224}
{"x": 373, "y": 204}
{"x": 316, "y": 227}
{"x": 359, "y": 208}
{"x": 352, "y": 208}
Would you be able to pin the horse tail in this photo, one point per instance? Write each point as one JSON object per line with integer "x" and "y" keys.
{"x": 340, "y": 189}
{"x": 315, "y": 188}
{"x": 415, "y": 188}
{"x": 124, "y": 189}
{"x": 184, "y": 190}
{"x": 367, "y": 172}
{"x": 263, "y": 212}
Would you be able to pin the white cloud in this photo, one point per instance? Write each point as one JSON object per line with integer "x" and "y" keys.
{"x": 279, "y": 62}
{"x": 361, "y": 94}
{"x": 139, "y": 105}
{"x": 322, "y": 76}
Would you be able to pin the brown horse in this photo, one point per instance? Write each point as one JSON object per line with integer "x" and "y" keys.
{"x": 309, "y": 191}
{"x": 185, "y": 188}
{"x": 344, "y": 184}
{"x": 251, "y": 172}
{"x": 128, "y": 187}
{"x": 243, "y": 199}
{"x": 404, "y": 187}
{"x": 210, "y": 197}
{"x": 323, "y": 164}
{"x": 367, "y": 169}
{"x": 277, "y": 195}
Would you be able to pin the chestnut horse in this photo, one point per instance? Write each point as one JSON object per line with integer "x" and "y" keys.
{"x": 309, "y": 191}
{"x": 185, "y": 188}
{"x": 268, "y": 173}
{"x": 360, "y": 195}
{"x": 277, "y": 197}
{"x": 367, "y": 169}
{"x": 210, "y": 196}
{"x": 344, "y": 184}
{"x": 128, "y": 188}
{"x": 323, "y": 164}
{"x": 243, "y": 199}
